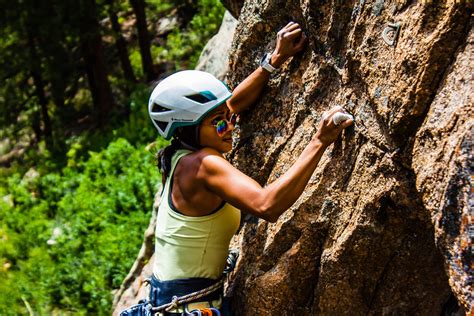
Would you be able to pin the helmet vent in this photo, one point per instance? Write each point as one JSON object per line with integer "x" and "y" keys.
{"x": 158, "y": 108}
{"x": 203, "y": 97}
{"x": 161, "y": 125}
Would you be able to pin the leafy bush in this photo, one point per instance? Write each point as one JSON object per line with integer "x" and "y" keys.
{"x": 71, "y": 224}
{"x": 69, "y": 238}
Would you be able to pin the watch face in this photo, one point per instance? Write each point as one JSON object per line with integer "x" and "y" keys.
{"x": 262, "y": 60}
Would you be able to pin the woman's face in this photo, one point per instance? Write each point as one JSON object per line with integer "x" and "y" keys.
{"x": 208, "y": 135}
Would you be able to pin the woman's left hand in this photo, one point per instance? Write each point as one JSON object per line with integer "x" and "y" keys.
{"x": 290, "y": 40}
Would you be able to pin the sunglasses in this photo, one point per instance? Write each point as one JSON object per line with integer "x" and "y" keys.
{"x": 223, "y": 125}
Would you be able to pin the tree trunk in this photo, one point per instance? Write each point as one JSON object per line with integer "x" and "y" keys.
{"x": 35, "y": 69}
{"x": 120, "y": 43}
{"x": 143, "y": 38}
{"x": 59, "y": 81}
{"x": 36, "y": 125}
{"x": 186, "y": 11}
{"x": 92, "y": 51}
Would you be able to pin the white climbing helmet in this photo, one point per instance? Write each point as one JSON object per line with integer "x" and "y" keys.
{"x": 185, "y": 98}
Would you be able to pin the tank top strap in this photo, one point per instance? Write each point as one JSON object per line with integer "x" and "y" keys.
{"x": 180, "y": 153}
{"x": 177, "y": 156}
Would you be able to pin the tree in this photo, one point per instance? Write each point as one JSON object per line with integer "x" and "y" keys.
{"x": 120, "y": 43}
{"x": 143, "y": 39}
{"x": 35, "y": 69}
{"x": 94, "y": 61}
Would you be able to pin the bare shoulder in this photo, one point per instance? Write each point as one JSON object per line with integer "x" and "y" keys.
{"x": 203, "y": 159}
{"x": 193, "y": 169}
{"x": 211, "y": 162}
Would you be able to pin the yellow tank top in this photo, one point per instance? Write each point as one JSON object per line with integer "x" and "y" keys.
{"x": 187, "y": 246}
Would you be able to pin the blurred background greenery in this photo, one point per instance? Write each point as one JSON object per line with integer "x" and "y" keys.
{"x": 78, "y": 175}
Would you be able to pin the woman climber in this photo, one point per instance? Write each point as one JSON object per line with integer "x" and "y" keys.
{"x": 203, "y": 193}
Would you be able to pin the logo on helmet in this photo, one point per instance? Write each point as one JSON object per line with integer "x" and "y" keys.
{"x": 181, "y": 120}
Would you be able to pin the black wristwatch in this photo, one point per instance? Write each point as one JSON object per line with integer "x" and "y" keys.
{"x": 265, "y": 63}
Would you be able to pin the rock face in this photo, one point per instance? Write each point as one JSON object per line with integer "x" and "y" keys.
{"x": 135, "y": 286}
{"x": 136, "y": 291}
{"x": 233, "y": 6}
{"x": 443, "y": 160}
{"x": 215, "y": 55}
{"x": 385, "y": 225}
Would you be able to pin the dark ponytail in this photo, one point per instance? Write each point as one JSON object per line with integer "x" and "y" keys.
{"x": 163, "y": 158}
{"x": 186, "y": 137}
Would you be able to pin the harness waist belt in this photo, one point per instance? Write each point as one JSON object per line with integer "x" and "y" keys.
{"x": 162, "y": 292}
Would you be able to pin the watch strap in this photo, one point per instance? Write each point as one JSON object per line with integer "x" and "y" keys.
{"x": 265, "y": 63}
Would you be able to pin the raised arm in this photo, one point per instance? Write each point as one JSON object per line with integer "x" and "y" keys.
{"x": 290, "y": 40}
{"x": 271, "y": 201}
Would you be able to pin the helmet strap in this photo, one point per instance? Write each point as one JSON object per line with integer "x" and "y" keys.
{"x": 189, "y": 137}
{"x": 196, "y": 134}
{"x": 186, "y": 146}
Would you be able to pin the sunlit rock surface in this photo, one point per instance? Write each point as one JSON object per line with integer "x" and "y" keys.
{"x": 215, "y": 55}
{"x": 443, "y": 160}
{"x": 385, "y": 224}
{"x": 233, "y": 6}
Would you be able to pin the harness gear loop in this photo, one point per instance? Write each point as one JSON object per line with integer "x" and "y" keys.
{"x": 395, "y": 29}
{"x": 177, "y": 301}
{"x": 204, "y": 312}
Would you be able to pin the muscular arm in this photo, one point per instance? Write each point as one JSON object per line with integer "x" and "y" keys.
{"x": 246, "y": 194}
{"x": 269, "y": 202}
{"x": 248, "y": 91}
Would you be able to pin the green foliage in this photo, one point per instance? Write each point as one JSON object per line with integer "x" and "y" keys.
{"x": 136, "y": 61}
{"x": 183, "y": 47}
{"x": 70, "y": 237}
{"x": 161, "y": 6}
{"x": 72, "y": 216}
{"x": 137, "y": 129}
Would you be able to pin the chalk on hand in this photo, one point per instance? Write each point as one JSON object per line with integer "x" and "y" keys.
{"x": 339, "y": 117}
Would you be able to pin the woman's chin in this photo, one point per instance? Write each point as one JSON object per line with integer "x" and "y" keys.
{"x": 223, "y": 146}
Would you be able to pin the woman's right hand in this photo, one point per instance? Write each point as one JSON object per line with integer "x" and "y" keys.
{"x": 290, "y": 41}
{"x": 328, "y": 132}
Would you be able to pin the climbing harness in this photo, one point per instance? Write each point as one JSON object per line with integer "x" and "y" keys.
{"x": 178, "y": 301}
{"x": 391, "y": 28}
{"x": 145, "y": 308}
{"x": 195, "y": 296}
